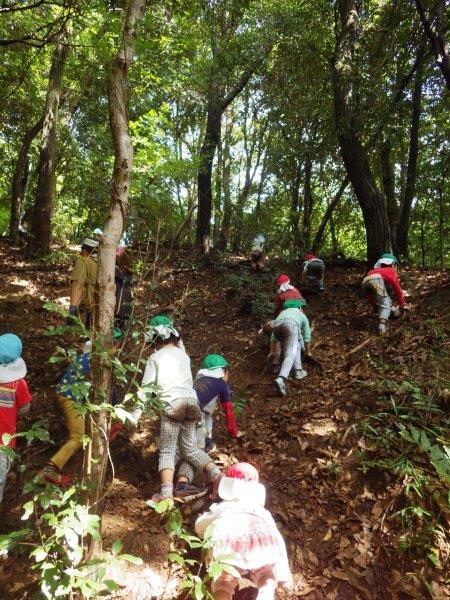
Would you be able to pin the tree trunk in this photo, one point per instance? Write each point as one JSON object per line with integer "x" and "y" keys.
{"x": 308, "y": 204}
{"x": 388, "y": 179}
{"x": 402, "y": 240}
{"x": 43, "y": 208}
{"x": 97, "y": 455}
{"x": 209, "y": 145}
{"x": 295, "y": 207}
{"x": 318, "y": 240}
{"x": 436, "y": 37}
{"x": 218, "y": 193}
{"x": 226, "y": 181}
{"x": 20, "y": 179}
{"x": 353, "y": 154}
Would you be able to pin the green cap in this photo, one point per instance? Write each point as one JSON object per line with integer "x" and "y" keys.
{"x": 390, "y": 257}
{"x": 160, "y": 320}
{"x": 214, "y": 361}
{"x": 297, "y": 303}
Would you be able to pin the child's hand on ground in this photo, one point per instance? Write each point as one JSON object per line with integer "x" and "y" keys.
{"x": 239, "y": 434}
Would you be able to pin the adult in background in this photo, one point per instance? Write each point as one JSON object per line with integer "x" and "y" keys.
{"x": 313, "y": 272}
{"x": 82, "y": 279}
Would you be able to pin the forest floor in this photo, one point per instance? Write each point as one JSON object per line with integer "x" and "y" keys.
{"x": 335, "y": 518}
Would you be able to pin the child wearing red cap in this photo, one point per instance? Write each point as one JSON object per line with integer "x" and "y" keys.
{"x": 244, "y": 535}
{"x": 285, "y": 291}
{"x": 313, "y": 272}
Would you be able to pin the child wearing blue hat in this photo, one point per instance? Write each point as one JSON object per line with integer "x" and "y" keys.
{"x": 15, "y": 397}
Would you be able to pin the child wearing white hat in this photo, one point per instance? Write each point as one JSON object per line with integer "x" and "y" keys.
{"x": 15, "y": 397}
{"x": 244, "y": 536}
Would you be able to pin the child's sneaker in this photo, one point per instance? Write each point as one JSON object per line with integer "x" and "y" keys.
{"x": 210, "y": 446}
{"x": 51, "y": 474}
{"x": 188, "y": 492}
{"x": 281, "y": 383}
{"x": 300, "y": 374}
{"x": 382, "y": 328}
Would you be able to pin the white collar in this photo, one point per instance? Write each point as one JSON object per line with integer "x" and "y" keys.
{"x": 216, "y": 373}
{"x": 13, "y": 371}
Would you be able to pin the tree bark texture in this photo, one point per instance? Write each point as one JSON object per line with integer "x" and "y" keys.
{"x": 307, "y": 204}
{"x": 318, "y": 239}
{"x": 353, "y": 153}
{"x": 402, "y": 239}
{"x": 20, "y": 178}
{"x": 436, "y": 35}
{"x": 295, "y": 206}
{"x": 224, "y": 235}
{"x": 204, "y": 177}
{"x": 43, "y": 209}
{"x": 97, "y": 455}
{"x": 388, "y": 180}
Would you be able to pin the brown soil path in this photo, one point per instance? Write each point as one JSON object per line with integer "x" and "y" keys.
{"x": 303, "y": 445}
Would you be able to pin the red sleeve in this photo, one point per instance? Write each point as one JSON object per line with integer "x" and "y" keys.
{"x": 278, "y": 304}
{"x": 230, "y": 418}
{"x": 23, "y": 395}
{"x": 393, "y": 280}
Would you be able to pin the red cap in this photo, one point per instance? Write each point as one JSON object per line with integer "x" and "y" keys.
{"x": 309, "y": 256}
{"x": 244, "y": 471}
{"x": 282, "y": 279}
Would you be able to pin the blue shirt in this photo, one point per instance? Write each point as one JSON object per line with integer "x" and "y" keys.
{"x": 211, "y": 388}
{"x": 75, "y": 377}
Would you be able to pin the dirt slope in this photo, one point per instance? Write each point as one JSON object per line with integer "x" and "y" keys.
{"x": 304, "y": 444}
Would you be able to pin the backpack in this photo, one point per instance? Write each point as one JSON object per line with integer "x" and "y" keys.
{"x": 124, "y": 295}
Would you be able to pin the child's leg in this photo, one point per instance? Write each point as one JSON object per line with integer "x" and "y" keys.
{"x": 188, "y": 441}
{"x": 170, "y": 431}
{"x": 75, "y": 426}
{"x": 223, "y": 588}
{"x": 290, "y": 346}
{"x": 265, "y": 582}
{"x": 208, "y": 424}
{"x": 5, "y": 464}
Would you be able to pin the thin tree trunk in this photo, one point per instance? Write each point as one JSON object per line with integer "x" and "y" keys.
{"x": 43, "y": 209}
{"x": 353, "y": 153}
{"x": 204, "y": 178}
{"x": 97, "y": 455}
{"x": 388, "y": 179}
{"x": 295, "y": 207}
{"x": 436, "y": 36}
{"x": 308, "y": 204}
{"x": 218, "y": 194}
{"x": 402, "y": 240}
{"x": 318, "y": 240}
{"x": 227, "y": 205}
{"x": 20, "y": 179}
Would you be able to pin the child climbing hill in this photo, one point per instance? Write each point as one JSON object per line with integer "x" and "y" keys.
{"x": 169, "y": 369}
{"x": 291, "y": 328}
{"x": 374, "y": 289}
{"x": 244, "y": 536}
{"x": 15, "y": 397}
{"x": 211, "y": 386}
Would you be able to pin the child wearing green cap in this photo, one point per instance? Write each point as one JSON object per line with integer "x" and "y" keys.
{"x": 15, "y": 397}
{"x": 169, "y": 369}
{"x": 374, "y": 289}
{"x": 211, "y": 386}
{"x": 291, "y": 328}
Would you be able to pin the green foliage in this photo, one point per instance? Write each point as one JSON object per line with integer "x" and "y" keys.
{"x": 240, "y": 400}
{"x": 249, "y": 289}
{"x": 409, "y": 439}
{"x": 197, "y": 576}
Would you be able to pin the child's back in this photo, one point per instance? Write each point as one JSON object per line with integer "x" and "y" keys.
{"x": 170, "y": 369}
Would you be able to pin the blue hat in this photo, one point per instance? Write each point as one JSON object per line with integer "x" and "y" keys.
{"x": 10, "y": 348}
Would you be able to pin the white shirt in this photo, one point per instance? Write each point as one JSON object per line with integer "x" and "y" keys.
{"x": 170, "y": 369}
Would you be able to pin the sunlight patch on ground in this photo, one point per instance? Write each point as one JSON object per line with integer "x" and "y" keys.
{"x": 144, "y": 582}
{"x": 321, "y": 427}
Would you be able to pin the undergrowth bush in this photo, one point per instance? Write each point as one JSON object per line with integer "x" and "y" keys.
{"x": 408, "y": 437}
{"x": 252, "y": 289}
